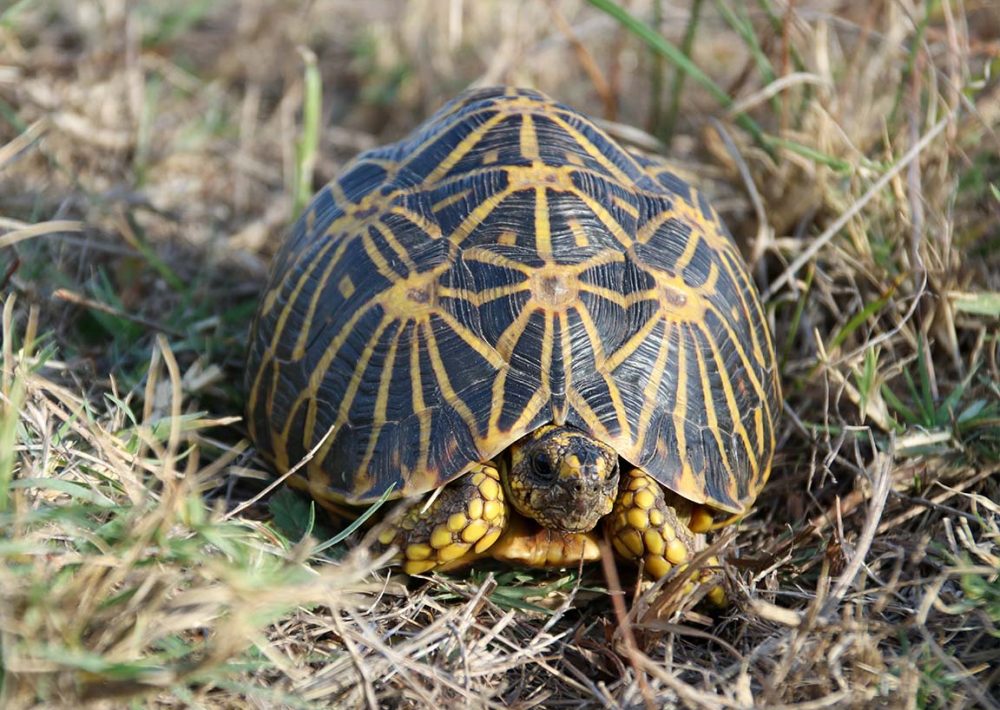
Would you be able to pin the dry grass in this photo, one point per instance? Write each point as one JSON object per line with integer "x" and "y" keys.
{"x": 150, "y": 155}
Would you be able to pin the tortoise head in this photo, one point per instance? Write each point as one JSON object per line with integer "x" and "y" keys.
{"x": 563, "y": 478}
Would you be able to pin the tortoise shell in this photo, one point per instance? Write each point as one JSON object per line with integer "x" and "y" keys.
{"x": 505, "y": 266}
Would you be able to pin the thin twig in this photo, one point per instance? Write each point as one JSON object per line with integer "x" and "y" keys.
{"x": 281, "y": 479}
{"x": 880, "y": 493}
{"x": 617, "y": 595}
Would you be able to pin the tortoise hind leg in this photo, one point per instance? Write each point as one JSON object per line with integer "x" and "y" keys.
{"x": 461, "y": 523}
{"x": 644, "y": 525}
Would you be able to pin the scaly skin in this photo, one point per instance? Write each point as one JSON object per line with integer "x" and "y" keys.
{"x": 464, "y": 521}
{"x": 644, "y": 526}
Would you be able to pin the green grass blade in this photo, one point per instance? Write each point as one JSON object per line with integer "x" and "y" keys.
{"x": 656, "y": 78}
{"x": 859, "y": 319}
{"x": 12, "y": 392}
{"x": 743, "y": 27}
{"x": 923, "y": 372}
{"x": 307, "y": 146}
{"x": 346, "y": 532}
{"x": 908, "y": 415}
{"x": 800, "y": 306}
{"x": 137, "y": 239}
{"x": 983, "y": 303}
{"x": 841, "y": 166}
{"x": 677, "y": 88}
{"x": 9, "y": 15}
{"x": 660, "y": 45}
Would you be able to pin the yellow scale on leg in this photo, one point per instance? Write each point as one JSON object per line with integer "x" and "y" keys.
{"x": 465, "y": 519}
{"x": 644, "y": 526}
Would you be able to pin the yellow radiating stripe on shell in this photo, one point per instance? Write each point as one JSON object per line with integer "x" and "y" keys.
{"x": 745, "y": 359}
{"x": 419, "y": 407}
{"x": 606, "y": 293}
{"x": 609, "y": 222}
{"x": 280, "y": 448}
{"x": 579, "y": 235}
{"x": 481, "y": 298}
{"x": 345, "y": 404}
{"x": 478, "y": 215}
{"x": 652, "y": 390}
{"x": 681, "y": 399}
{"x": 649, "y": 294}
{"x": 594, "y": 337}
{"x": 433, "y": 229}
{"x": 628, "y": 348}
{"x": 745, "y": 290}
{"x": 510, "y": 335}
{"x": 485, "y": 256}
{"x": 363, "y": 478}
{"x": 308, "y": 393}
{"x": 538, "y": 400}
{"x": 491, "y": 443}
{"x": 451, "y": 199}
{"x": 381, "y": 265}
{"x": 588, "y": 415}
{"x": 339, "y": 199}
{"x": 472, "y": 340}
{"x": 443, "y": 127}
{"x": 279, "y": 328}
{"x": 546, "y": 364}
{"x": 463, "y": 148}
{"x": 603, "y": 370}
{"x": 727, "y": 388}
{"x": 602, "y": 258}
{"x": 298, "y": 352}
{"x": 390, "y": 238}
{"x": 766, "y": 363}
{"x": 543, "y": 228}
{"x": 529, "y": 138}
{"x": 496, "y": 401}
{"x": 591, "y": 149}
{"x": 444, "y": 382}
{"x": 565, "y": 344}
{"x": 649, "y": 228}
{"x": 625, "y": 206}
{"x": 758, "y": 422}
{"x": 689, "y": 249}
{"x": 709, "y": 406}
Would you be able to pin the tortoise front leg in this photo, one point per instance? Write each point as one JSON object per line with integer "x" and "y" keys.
{"x": 644, "y": 525}
{"x": 463, "y": 521}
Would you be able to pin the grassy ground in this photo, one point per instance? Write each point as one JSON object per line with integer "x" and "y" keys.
{"x": 151, "y": 157}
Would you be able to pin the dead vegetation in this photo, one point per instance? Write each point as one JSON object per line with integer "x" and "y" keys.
{"x": 150, "y": 158}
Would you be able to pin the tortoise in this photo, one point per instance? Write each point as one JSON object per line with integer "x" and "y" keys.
{"x": 525, "y": 330}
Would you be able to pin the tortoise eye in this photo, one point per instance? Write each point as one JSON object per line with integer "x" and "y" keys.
{"x": 543, "y": 466}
